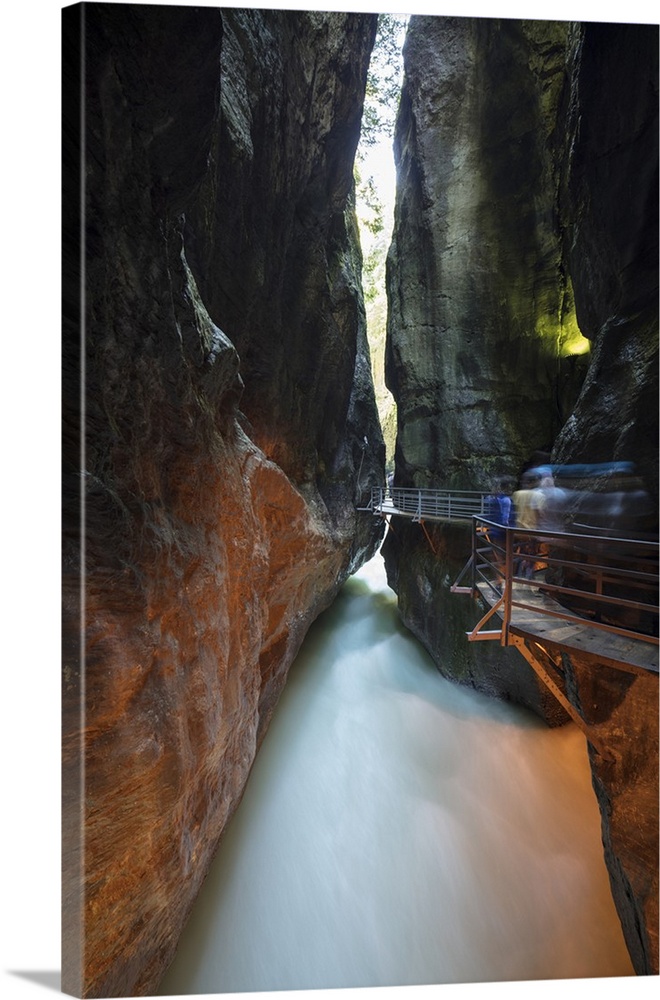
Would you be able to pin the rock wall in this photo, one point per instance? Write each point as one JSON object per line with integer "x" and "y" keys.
{"x": 481, "y": 315}
{"x": 622, "y": 709}
{"x": 421, "y": 567}
{"x": 611, "y": 236}
{"x": 211, "y": 462}
{"x": 519, "y": 227}
{"x": 610, "y": 206}
{"x": 481, "y": 319}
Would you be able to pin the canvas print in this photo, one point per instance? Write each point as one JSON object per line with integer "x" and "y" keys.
{"x": 360, "y": 500}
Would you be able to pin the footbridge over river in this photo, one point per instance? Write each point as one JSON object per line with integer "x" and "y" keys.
{"x": 584, "y": 591}
{"x": 425, "y": 505}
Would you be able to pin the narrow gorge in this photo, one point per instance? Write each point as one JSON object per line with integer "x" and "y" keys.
{"x": 219, "y": 411}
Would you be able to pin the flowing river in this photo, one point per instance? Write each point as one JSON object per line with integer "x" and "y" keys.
{"x": 398, "y": 829}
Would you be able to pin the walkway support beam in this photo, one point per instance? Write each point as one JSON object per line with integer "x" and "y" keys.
{"x": 539, "y": 669}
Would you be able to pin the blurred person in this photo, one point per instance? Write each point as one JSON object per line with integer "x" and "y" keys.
{"x": 524, "y": 502}
{"x": 620, "y": 505}
{"x": 498, "y": 508}
{"x": 549, "y": 501}
{"x": 526, "y": 516}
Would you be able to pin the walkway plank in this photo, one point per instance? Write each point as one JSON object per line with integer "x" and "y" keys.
{"x": 632, "y": 655}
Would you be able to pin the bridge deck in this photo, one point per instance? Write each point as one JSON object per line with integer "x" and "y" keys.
{"x": 425, "y": 505}
{"x": 537, "y": 622}
{"x": 387, "y": 507}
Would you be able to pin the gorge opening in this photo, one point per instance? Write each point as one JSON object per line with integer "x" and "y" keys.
{"x": 375, "y": 180}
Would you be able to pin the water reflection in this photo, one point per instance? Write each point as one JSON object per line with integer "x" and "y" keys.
{"x": 399, "y": 829}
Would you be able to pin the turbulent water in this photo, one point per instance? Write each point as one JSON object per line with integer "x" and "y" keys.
{"x": 398, "y": 829}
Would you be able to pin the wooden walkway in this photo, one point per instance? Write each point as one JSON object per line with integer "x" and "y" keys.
{"x": 590, "y": 594}
{"x": 539, "y": 626}
{"x": 608, "y": 577}
{"x": 535, "y": 616}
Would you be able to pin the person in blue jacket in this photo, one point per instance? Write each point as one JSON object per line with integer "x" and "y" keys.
{"x": 498, "y": 508}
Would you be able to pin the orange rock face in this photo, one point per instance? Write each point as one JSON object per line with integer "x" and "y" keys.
{"x": 185, "y": 657}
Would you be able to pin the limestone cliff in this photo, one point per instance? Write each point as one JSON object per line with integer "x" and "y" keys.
{"x": 481, "y": 321}
{"x": 526, "y": 217}
{"x": 212, "y": 459}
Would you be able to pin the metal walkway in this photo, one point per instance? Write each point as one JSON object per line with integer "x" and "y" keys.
{"x": 425, "y": 505}
{"x": 582, "y": 592}
{"x": 586, "y": 594}
{"x": 592, "y": 581}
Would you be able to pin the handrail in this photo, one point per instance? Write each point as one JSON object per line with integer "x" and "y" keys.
{"x": 607, "y": 583}
{"x": 426, "y": 504}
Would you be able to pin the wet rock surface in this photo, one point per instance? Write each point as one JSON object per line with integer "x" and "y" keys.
{"x": 228, "y": 399}
{"x": 518, "y": 218}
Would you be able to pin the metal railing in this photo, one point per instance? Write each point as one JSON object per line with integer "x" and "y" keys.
{"x": 605, "y": 582}
{"x": 420, "y": 504}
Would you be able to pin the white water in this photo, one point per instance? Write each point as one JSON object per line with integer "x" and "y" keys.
{"x": 398, "y": 829}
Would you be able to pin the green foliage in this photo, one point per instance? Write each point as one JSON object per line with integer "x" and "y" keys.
{"x": 379, "y": 117}
{"x": 374, "y": 220}
{"x": 384, "y": 80}
{"x": 371, "y": 273}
